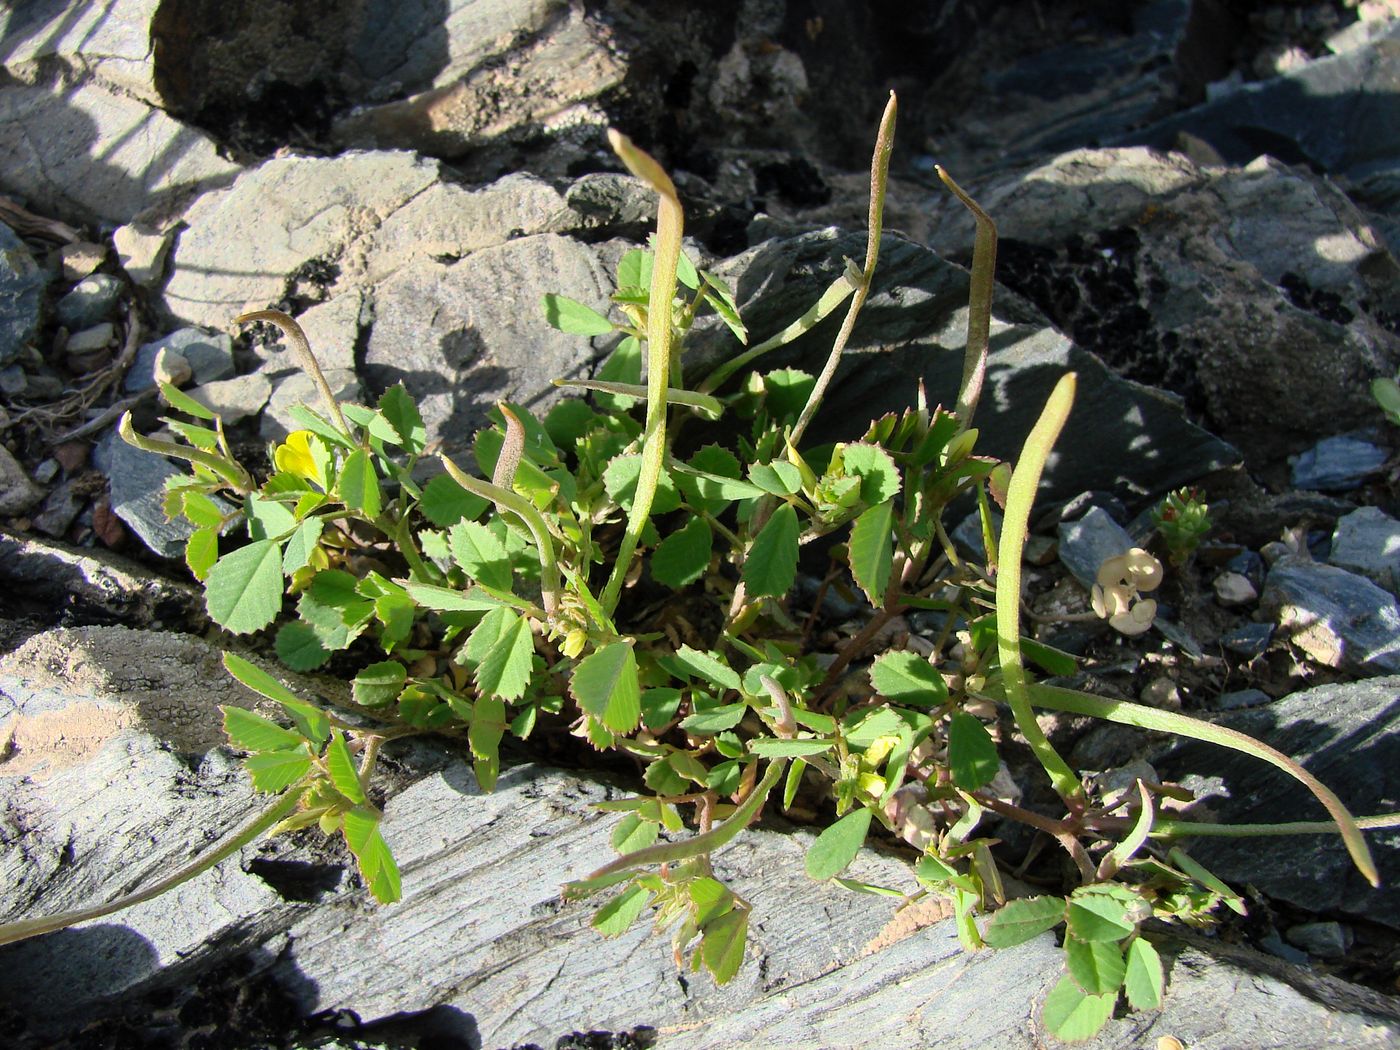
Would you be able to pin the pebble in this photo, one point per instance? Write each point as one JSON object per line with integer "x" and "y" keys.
{"x": 1250, "y": 566}
{"x": 1367, "y": 541}
{"x": 141, "y": 250}
{"x": 1233, "y": 590}
{"x": 98, "y": 337}
{"x": 1337, "y": 464}
{"x": 1273, "y": 944}
{"x": 1161, "y": 692}
{"x": 80, "y": 258}
{"x": 1085, "y": 544}
{"x": 1326, "y": 940}
{"x": 210, "y": 356}
{"x": 1249, "y": 640}
{"x": 1239, "y": 698}
{"x": 18, "y": 493}
{"x": 94, "y": 299}
{"x": 12, "y": 380}
{"x": 46, "y": 471}
{"x": 172, "y": 367}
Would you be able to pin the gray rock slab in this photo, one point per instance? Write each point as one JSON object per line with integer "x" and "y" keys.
{"x": 1347, "y": 735}
{"x": 485, "y": 338}
{"x": 1087, "y": 542}
{"x": 331, "y": 328}
{"x": 210, "y": 356}
{"x": 1338, "y": 618}
{"x": 1367, "y": 541}
{"x": 1337, "y": 464}
{"x": 18, "y": 493}
{"x": 299, "y": 389}
{"x": 22, "y": 284}
{"x": 108, "y": 41}
{"x": 89, "y": 584}
{"x": 137, "y": 484}
{"x": 93, "y": 153}
{"x": 93, "y": 300}
{"x": 234, "y": 399}
{"x": 1121, "y": 436}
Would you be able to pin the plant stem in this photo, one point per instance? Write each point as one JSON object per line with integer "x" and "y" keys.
{"x": 302, "y": 349}
{"x": 979, "y": 309}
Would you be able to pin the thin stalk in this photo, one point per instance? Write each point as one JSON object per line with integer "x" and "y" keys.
{"x": 231, "y": 472}
{"x": 879, "y": 178}
{"x": 1182, "y": 829}
{"x": 302, "y": 349}
{"x": 979, "y": 305}
{"x": 708, "y": 406}
{"x": 26, "y": 928}
{"x": 670, "y": 221}
{"x": 1020, "y": 495}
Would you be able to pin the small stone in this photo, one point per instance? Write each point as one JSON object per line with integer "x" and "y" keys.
{"x": 210, "y": 356}
{"x": 234, "y": 399}
{"x": 172, "y": 367}
{"x": 1087, "y": 543}
{"x": 1250, "y": 566}
{"x": 46, "y": 471}
{"x": 98, "y": 337}
{"x": 92, "y": 301}
{"x": 60, "y": 509}
{"x": 1177, "y": 635}
{"x": 22, "y": 284}
{"x": 1248, "y": 640}
{"x": 1273, "y": 944}
{"x": 1233, "y": 701}
{"x": 1274, "y": 550}
{"x": 1232, "y": 590}
{"x": 1338, "y": 618}
{"x": 1040, "y": 550}
{"x": 12, "y": 380}
{"x": 18, "y": 493}
{"x": 80, "y": 259}
{"x": 1161, "y": 692}
{"x": 1367, "y": 541}
{"x": 106, "y": 524}
{"x": 1326, "y": 940}
{"x": 71, "y": 455}
{"x": 141, "y": 250}
{"x": 1337, "y": 464}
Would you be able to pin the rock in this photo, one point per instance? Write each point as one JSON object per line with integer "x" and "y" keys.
{"x": 1348, "y": 736}
{"x": 1085, "y": 544}
{"x": 93, "y": 300}
{"x": 209, "y": 354}
{"x": 12, "y": 380}
{"x": 1338, "y": 464}
{"x": 71, "y": 585}
{"x": 141, "y": 250}
{"x": 1338, "y": 618}
{"x": 1248, "y": 640}
{"x": 1161, "y": 692}
{"x": 18, "y": 493}
{"x": 80, "y": 258}
{"x": 137, "y": 482}
{"x": 1233, "y": 590}
{"x": 171, "y": 367}
{"x": 298, "y": 389}
{"x": 332, "y": 329}
{"x": 484, "y": 340}
{"x": 1121, "y": 436}
{"x": 109, "y": 42}
{"x": 22, "y": 285}
{"x": 234, "y": 399}
{"x": 1249, "y": 565}
{"x": 61, "y": 506}
{"x": 1241, "y": 698}
{"x": 1326, "y": 940}
{"x": 98, "y": 337}
{"x": 98, "y": 154}
{"x": 1367, "y": 541}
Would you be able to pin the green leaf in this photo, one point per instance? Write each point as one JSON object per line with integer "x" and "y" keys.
{"x": 710, "y": 667}
{"x": 243, "y": 591}
{"x": 446, "y": 599}
{"x": 202, "y": 551}
{"x": 856, "y": 886}
{"x": 633, "y": 833}
{"x": 488, "y": 631}
{"x": 251, "y": 732}
{"x": 444, "y": 502}
{"x": 872, "y": 551}
{"x": 477, "y": 550}
{"x": 907, "y": 678}
{"x": 771, "y": 747}
{"x": 682, "y": 557}
{"x": 623, "y": 365}
{"x": 771, "y": 565}
{"x": 879, "y": 477}
{"x": 718, "y": 297}
{"x": 342, "y": 769}
{"x": 1096, "y": 966}
{"x": 715, "y": 719}
{"x": 793, "y": 781}
{"x": 659, "y": 706}
{"x": 377, "y": 867}
{"x": 299, "y": 648}
{"x": 1020, "y": 920}
{"x": 268, "y": 519}
{"x": 972, "y": 755}
{"x": 779, "y": 478}
{"x": 202, "y": 511}
{"x": 838, "y": 845}
{"x": 273, "y": 771}
{"x": 300, "y": 545}
{"x": 487, "y": 728}
{"x": 722, "y": 944}
{"x": 1143, "y": 978}
{"x": 309, "y": 719}
{"x": 402, "y": 413}
{"x": 379, "y": 684}
{"x": 358, "y": 484}
{"x": 605, "y": 685}
{"x": 787, "y": 392}
{"x": 614, "y": 917}
{"x": 724, "y": 778}
{"x": 1073, "y": 1015}
{"x": 620, "y": 481}
{"x": 505, "y": 672}
{"x": 571, "y": 316}
{"x": 311, "y": 420}
{"x": 1098, "y": 917}
{"x": 182, "y": 402}
{"x": 685, "y": 269}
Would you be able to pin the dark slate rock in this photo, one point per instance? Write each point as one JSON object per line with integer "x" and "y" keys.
{"x": 137, "y": 481}
{"x": 1087, "y": 543}
{"x": 1367, "y": 541}
{"x": 1249, "y": 565}
{"x": 1337, "y": 464}
{"x": 1326, "y": 940}
{"x": 1336, "y": 617}
{"x": 22, "y": 284}
{"x": 93, "y": 300}
{"x": 1121, "y": 436}
{"x": 1241, "y": 698}
{"x": 1249, "y": 640}
{"x": 1346, "y": 735}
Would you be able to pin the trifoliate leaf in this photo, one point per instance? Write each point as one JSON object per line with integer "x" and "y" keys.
{"x": 402, "y": 413}
{"x": 1020, "y": 920}
{"x": 907, "y": 678}
{"x": 715, "y": 719}
{"x": 569, "y": 315}
{"x": 872, "y": 551}
{"x": 605, "y": 685}
{"x": 445, "y": 599}
{"x": 243, "y": 591}
{"x": 1142, "y": 980}
{"x": 620, "y": 480}
{"x": 377, "y": 867}
{"x": 202, "y": 511}
{"x": 771, "y": 747}
{"x": 251, "y": 732}
{"x": 879, "y": 477}
{"x": 972, "y": 755}
{"x": 771, "y": 565}
{"x": 1098, "y": 917}
{"x": 268, "y": 519}
{"x": 838, "y": 845}
{"x": 659, "y": 706}
{"x": 301, "y": 544}
{"x": 1073, "y": 1015}
{"x": 299, "y": 648}
{"x": 477, "y": 550}
{"x": 614, "y": 917}
{"x": 682, "y": 557}
{"x": 787, "y": 392}
{"x": 309, "y": 719}
{"x": 722, "y": 944}
{"x": 344, "y": 777}
{"x": 1096, "y": 966}
{"x": 273, "y": 771}
{"x": 379, "y": 684}
{"x": 709, "y": 666}
{"x": 779, "y": 478}
{"x": 444, "y": 502}
{"x": 505, "y": 671}
{"x": 359, "y": 485}
{"x": 724, "y": 778}
{"x": 633, "y": 833}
